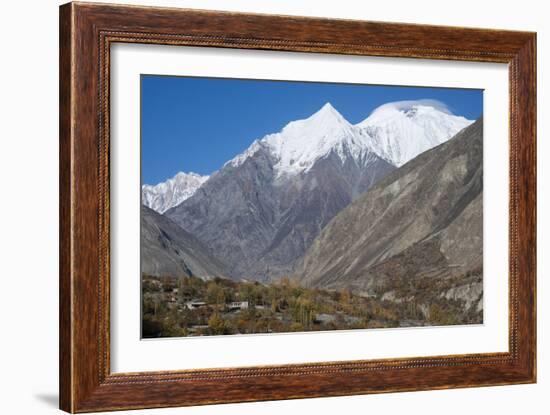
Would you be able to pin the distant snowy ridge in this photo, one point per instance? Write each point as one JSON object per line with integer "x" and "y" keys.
{"x": 397, "y": 132}
{"x": 172, "y": 192}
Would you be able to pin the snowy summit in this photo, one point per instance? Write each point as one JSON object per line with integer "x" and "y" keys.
{"x": 400, "y": 131}
{"x": 301, "y": 143}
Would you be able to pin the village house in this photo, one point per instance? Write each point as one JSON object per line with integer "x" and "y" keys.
{"x": 237, "y": 305}
{"x": 194, "y": 304}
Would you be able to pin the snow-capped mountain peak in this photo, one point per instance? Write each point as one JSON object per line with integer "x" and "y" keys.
{"x": 323, "y": 122}
{"x": 172, "y": 192}
{"x": 402, "y": 130}
{"x": 301, "y": 143}
{"x": 327, "y": 114}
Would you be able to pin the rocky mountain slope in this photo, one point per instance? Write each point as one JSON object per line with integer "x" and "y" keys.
{"x": 168, "y": 250}
{"x": 421, "y": 225}
{"x": 172, "y": 192}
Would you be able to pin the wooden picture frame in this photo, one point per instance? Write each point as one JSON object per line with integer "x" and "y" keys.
{"x": 86, "y": 33}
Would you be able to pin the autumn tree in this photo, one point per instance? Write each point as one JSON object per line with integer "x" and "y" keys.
{"x": 215, "y": 294}
{"x": 217, "y": 325}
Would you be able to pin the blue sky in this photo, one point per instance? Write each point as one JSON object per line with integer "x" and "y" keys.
{"x": 197, "y": 124}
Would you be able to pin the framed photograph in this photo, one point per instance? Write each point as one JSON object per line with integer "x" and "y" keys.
{"x": 258, "y": 207}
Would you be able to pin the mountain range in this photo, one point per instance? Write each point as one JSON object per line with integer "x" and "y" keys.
{"x": 396, "y": 132}
{"x": 262, "y": 210}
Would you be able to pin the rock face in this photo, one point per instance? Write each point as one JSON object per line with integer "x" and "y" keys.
{"x": 263, "y": 209}
{"x": 172, "y": 192}
{"x": 423, "y": 221}
{"x": 168, "y": 250}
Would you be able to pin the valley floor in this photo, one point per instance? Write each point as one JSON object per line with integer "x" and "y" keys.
{"x": 180, "y": 307}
